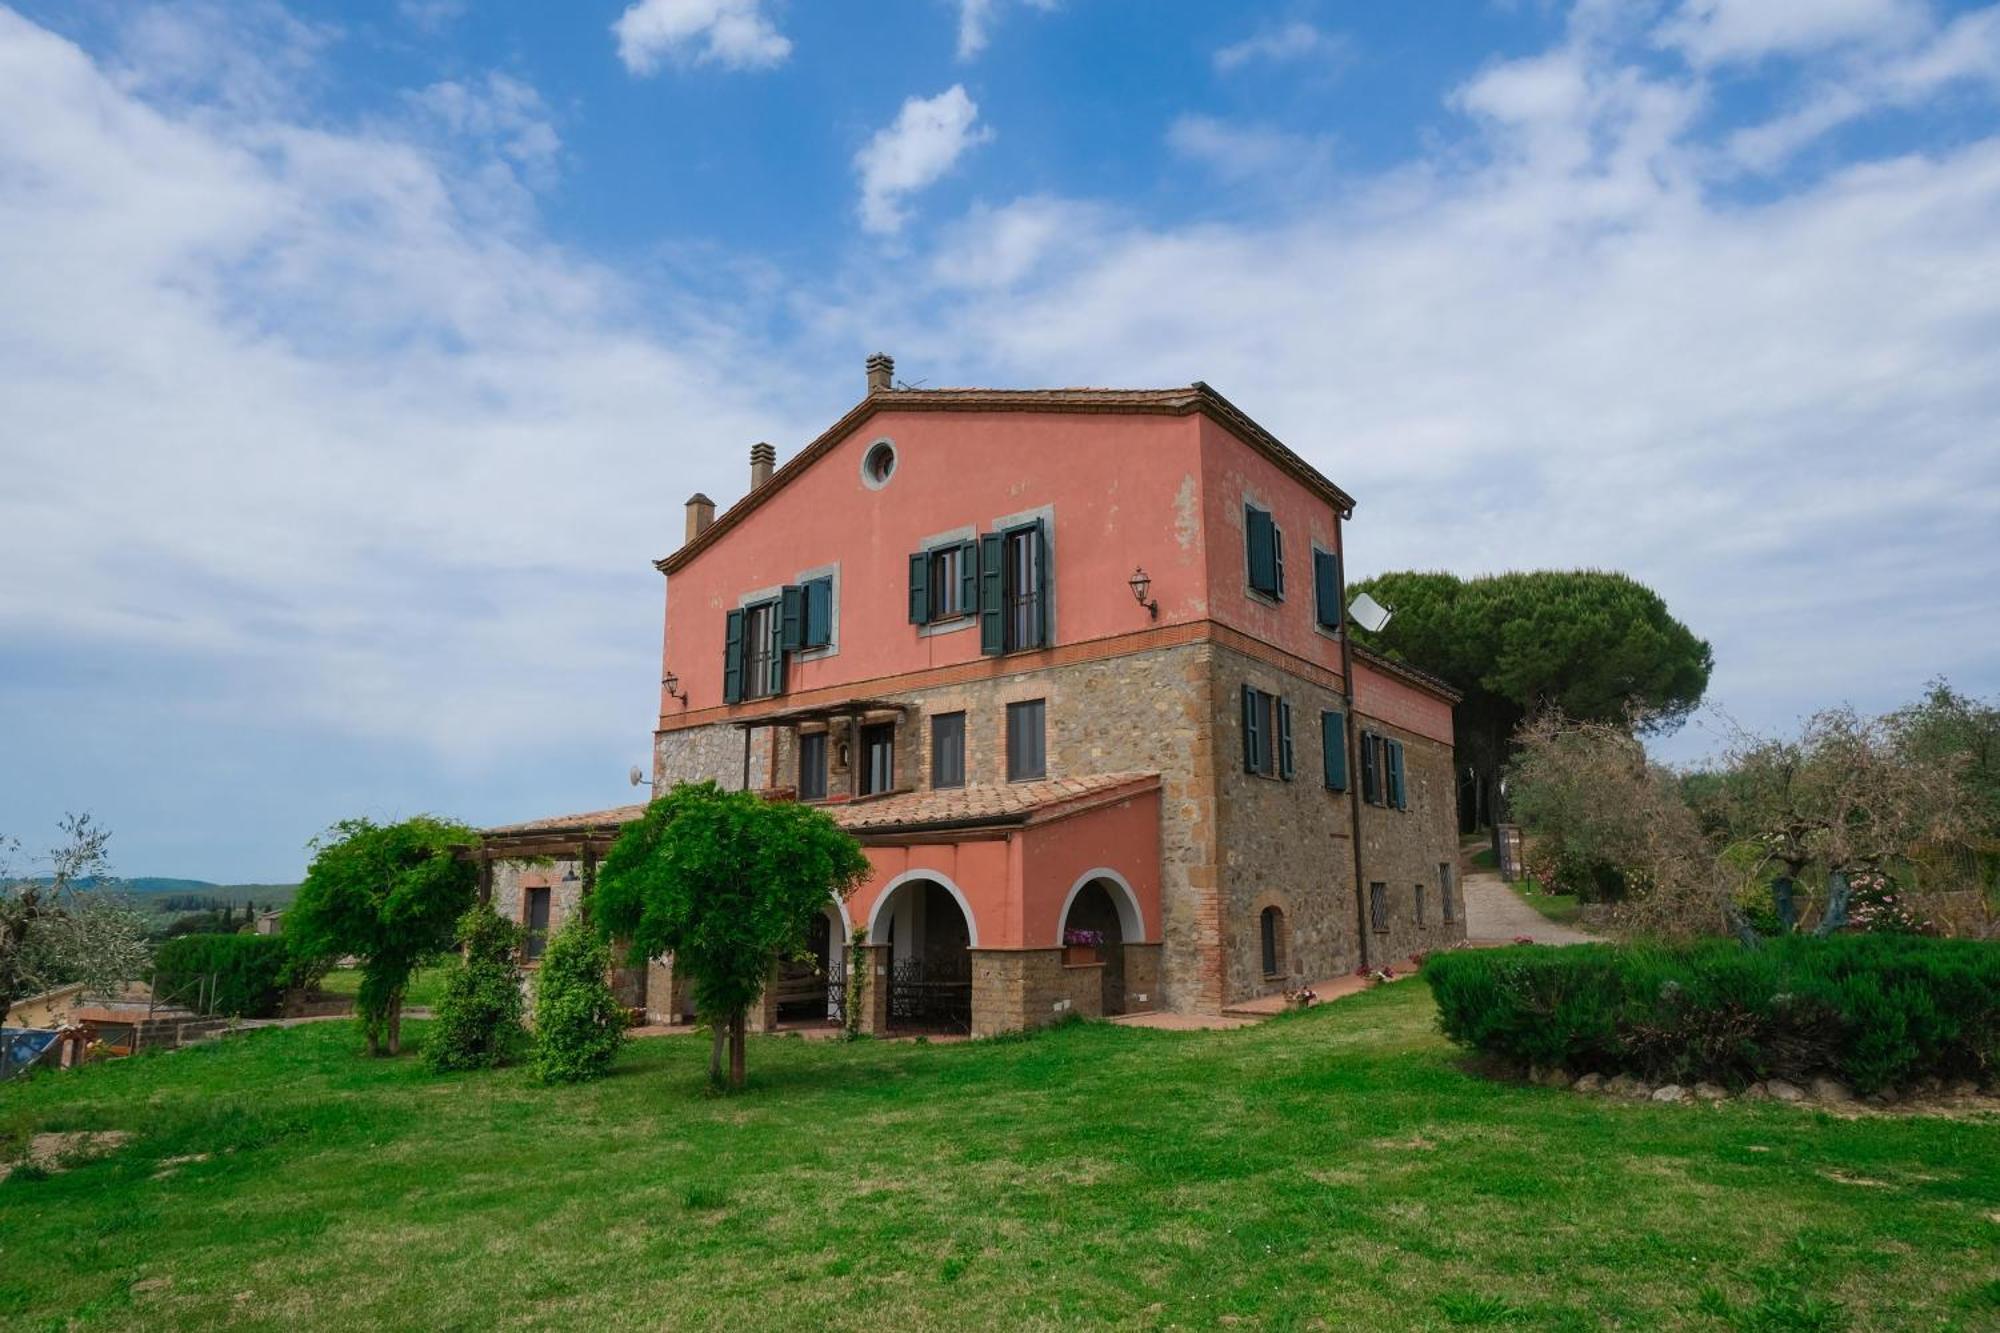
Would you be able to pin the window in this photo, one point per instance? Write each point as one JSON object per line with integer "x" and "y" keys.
{"x": 944, "y": 583}
{"x": 1267, "y": 734}
{"x": 1014, "y": 589}
{"x": 1271, "y": 929}
{"x": 1333, "y": 749}
{"x": 753, "y": 662}
{"x": 1378, "y": 907}
{"x": 878, "y": 758}
{"x": 812, "y": 766}
{"x": 1026, "y": 756}
{"x": 537, "y": 912}
{"x": 1382, "y": 777}
{"x": 1371, "y": 768}
{"x": 1399, "y": 795}
{"x": 878, "y": 465}
{"x": 1326, "y": 589}
{"x": 1264, "y": 551}
{"x": 1418, "y": 900}
{"x": 816, "y": 629}
{"x": 1450, "y": 912}
{"x": 948, "y": 750}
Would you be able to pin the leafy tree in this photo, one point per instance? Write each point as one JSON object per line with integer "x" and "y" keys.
{"x": 477, "y": 1021}
{"x": 579, "y": 1024}
{"x": 1592, "y": 645}
{"x": 388, "y": 894}
{"x": 67, "y": 925}
{"x": 728, "y": 883}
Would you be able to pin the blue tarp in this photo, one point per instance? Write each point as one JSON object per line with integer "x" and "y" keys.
{"x": 21, "y": 1047}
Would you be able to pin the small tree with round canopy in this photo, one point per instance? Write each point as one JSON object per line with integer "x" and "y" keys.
{"x": 390, "y": 894}
{"x": 728, "y": 883}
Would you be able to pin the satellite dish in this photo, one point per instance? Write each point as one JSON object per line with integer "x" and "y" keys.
{"x": 1368, "y": 613}
{"x": 635, "y": 777}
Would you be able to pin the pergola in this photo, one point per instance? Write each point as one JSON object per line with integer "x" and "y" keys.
{"x": 579, "y": 838}
{"x": 855, "y": 711}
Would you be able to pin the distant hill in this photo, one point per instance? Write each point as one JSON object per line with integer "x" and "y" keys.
{"x": 150, "y": 890}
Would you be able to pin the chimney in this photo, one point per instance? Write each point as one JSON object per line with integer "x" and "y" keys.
{"x": 701, "y": 513}
{"x": 881, "y": 371}
{"x": 762, "y": 459}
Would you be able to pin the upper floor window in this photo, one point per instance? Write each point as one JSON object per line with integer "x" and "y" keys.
{"x": 816, "y": 613}
{"x": 1027, "y": 740}
{"x": 878, "y": 758}
{"x": 944, "y": 583}
{"x": 1382, "y": 777}
{"x": 753, "y": 663}
{"x": 812, "y": 766}
{"x": 1326, "y": 589}
{"x": 1264, "y": 551}
{"x": 1267, "y": 734}
{"x": 1014, "y": 589}
{"x": 948, "y": 750}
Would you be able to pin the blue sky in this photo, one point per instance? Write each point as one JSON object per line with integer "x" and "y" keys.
{"x": 355, "y": 358}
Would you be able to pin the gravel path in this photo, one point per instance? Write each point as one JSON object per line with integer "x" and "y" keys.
{"x": 1494, "y": 912}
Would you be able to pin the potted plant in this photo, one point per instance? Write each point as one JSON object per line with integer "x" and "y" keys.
{"x": 1080, "y": 947}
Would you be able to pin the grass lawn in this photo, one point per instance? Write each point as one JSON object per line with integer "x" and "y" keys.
{"x": 423, "y": 992}
{"x": 1563, "y": 908}
{"x": 1334, "y": 1169}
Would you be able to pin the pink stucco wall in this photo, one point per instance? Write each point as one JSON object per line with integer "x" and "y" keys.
{"x": 1125, "y": 492}
{"x": 1383, "y": 697}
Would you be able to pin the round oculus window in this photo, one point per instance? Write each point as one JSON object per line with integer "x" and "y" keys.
{"x": 878, "y": 465}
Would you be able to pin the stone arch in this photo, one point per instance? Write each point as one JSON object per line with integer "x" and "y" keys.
{"x": 939, "y": 878}
{"x": 1131, "y": 921}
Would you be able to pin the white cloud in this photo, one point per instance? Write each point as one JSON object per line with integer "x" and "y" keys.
{"x": 1712, "y": 32}
{"x": 1295, "y": 41}
{"x": 735, "y": 34}
{"x": 976, "y": 18}
{"x": 928, "y": 135}
{"x": 432, "y": 15}
{"x": 500, "y": 111}
{"x": 1244, "y": 152}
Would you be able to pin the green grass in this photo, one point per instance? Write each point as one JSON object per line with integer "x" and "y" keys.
{"x": 425, "y": 984}
{"x": 1562, "y": 908}
{"x": 1333, "y": 1169}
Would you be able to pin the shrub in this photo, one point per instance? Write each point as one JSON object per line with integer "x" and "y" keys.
{"x": 477, "y": 1021}
{"x": 578, "y": 1022}
{"x": 248, "y": 973}
{"x": 1872, "y": 1010}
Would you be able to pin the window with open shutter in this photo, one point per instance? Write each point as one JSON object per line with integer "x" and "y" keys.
{"x": 1253, "y": 737}
{"x": 818, "y": 613}
{"x": 732, "y": 658}
{"x": 1333, "y": 749}
{"x": 1371, "y": 768}
{"x": 1262, "y": 551}
{"x": 1284, "y": 740}
{"x": 1399, "y": 784}
{"x": 1326, "y": 589}
{"x": 791, "y": 618}
{"x": 968, "y": 578}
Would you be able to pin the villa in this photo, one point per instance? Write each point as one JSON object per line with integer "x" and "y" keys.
{"x": 1073, "y": 666}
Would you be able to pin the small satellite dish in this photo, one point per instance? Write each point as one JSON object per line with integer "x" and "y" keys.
{"x": 635, "y": 777}
{"x": 1368, "y": 613}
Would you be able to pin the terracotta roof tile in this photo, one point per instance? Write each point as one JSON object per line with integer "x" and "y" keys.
{"x": 623, "y": 814}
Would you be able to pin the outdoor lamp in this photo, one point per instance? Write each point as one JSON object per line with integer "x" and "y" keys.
{"x": 1139, "y": 583}
{"x": 672, "y": 685}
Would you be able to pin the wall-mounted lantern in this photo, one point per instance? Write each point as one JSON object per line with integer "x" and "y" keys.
{"x": 1140, "y": 583}
{"x": 672, "y": 685}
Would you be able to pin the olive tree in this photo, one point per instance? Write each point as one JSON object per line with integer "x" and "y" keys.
{"x": 66, "y": 925}
{"x": 728, "y": 883}
{"x": 390, "y": 894}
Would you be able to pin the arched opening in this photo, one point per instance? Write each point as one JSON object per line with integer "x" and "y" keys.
{"x": 1272, "y": 946}
{"x": 1094, "y": 912}
{"x": 930, "y": 957}
{"x": 812, "y": 990}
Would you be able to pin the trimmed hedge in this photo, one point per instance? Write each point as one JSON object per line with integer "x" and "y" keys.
{"x": 1871, "y": 1010}
{"x": 249, "y": 972}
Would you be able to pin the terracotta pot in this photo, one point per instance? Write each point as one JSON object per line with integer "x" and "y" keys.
{"x": 1077, "y": 955}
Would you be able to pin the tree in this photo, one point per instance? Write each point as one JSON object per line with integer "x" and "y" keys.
{"x": 1592, "y": 645}
{"x": 477, "y": 1022}
{"x": 66, "y": 926}
{"x": 388, "y": 894}
{"x": 728, "y": 883}
{"x": 579, "y": 1024}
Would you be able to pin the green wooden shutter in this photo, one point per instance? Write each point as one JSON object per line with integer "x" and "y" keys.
{"x": 774, "y": 682}
{"x": 819, "y": 613}
{"x": 1253, "y": 738}
{"x": 920, "y": 588}
{"x": 992, "y": 603}
{"x": 968, "y": 577}
{"x": 1277, "y": 562}
{"x": 1041, "y": 540}
{"x": 1284, "y": 740}
{"x": 1326, "y": 589}
{"x": 791, "y": 618}
{"x": 732, "y": 658}
{"x": 1399, "y": 787}
{"x": 1333, "y": 749}
{"x": 1371, "y": 768}
{"x": 1259, "y": 539}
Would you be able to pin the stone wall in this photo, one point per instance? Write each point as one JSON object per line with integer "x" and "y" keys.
{"x": 712, "y": 753}
{"x": 1406, "y": 848}
{"x": 512, "y": 878}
